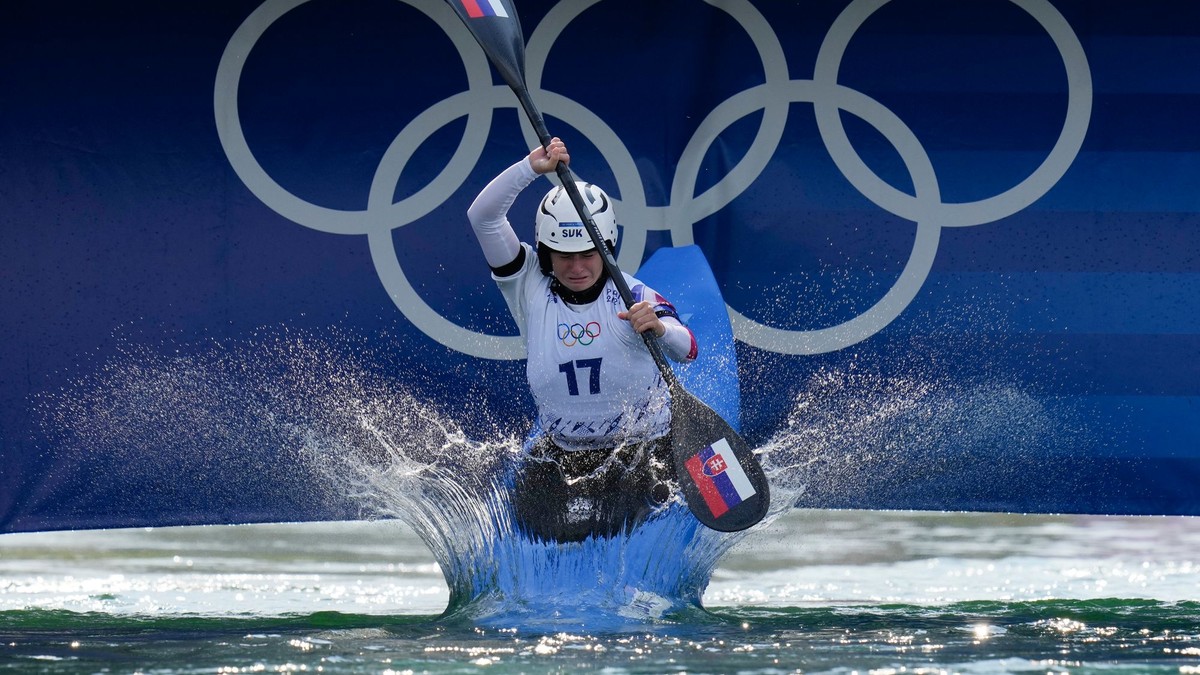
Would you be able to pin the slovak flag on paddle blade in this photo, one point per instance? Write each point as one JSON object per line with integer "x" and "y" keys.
{"x": 720, "y": 477}
{"x": 479, "y": 8}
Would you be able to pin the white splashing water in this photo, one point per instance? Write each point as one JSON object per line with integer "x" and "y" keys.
{"x": 350, "y": 434}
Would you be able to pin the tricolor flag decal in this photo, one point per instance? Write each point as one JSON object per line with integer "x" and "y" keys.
{"x": 720, "y": 478}
{"x": 478, "y": 8}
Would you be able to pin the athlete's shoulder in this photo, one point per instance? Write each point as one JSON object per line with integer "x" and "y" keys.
{"x": 528, "y": 265}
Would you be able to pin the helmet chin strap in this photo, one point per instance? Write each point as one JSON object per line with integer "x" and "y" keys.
{"x": 583, "y": 297}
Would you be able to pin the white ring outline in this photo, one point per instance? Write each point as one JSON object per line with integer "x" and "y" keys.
{"x": 828, "y": 98}
{"x": 908, "y": 284}
{"x": 1029, "y": 190}
{"x": 340, "y": 221}
{"x": 477, "y": 103}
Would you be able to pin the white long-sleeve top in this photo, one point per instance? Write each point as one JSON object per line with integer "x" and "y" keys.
{"x": 594, "y": 381}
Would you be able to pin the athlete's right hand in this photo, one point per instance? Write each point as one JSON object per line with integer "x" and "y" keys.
{"x": 545, "y": 160}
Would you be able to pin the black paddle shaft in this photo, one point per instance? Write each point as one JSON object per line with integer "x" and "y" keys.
{"x": 705, "y": 426}
{"x": 610, "y": 263}
{"x": 504, "y": 43}
{"x": 498, "y": 31}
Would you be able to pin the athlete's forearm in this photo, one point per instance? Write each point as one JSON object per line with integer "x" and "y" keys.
{"x": 489, "y": 214}
{"x": 678, "y": 342}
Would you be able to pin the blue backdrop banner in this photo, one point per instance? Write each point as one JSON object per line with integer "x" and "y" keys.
{"x": 959, "y": 242}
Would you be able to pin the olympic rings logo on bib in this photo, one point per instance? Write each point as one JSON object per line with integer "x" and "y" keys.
{"x": 578, "y": 334}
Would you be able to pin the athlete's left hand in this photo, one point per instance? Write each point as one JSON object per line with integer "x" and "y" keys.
{"x": 642, "y": 317}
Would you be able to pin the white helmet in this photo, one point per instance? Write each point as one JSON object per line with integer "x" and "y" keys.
{"x": 560, "y": 228}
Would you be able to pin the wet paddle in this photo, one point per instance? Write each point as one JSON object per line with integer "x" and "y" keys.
{"x": 722, "y": 481}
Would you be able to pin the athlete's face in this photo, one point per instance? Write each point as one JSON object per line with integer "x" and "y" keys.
{"x": 577, "y": 271}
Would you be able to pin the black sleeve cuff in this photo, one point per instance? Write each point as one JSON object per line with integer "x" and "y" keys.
{"x": 511, "y": 268}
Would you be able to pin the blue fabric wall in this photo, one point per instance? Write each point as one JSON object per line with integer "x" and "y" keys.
{"x": 971, "y": 225}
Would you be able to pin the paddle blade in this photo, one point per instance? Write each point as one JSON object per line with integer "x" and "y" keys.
{"x": 722, "y": 481}
{"x": 497, "y": 29}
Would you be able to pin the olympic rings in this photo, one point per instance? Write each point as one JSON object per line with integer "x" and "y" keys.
{"x": 773, "y": 98}
{"x": 576, "y": 334}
